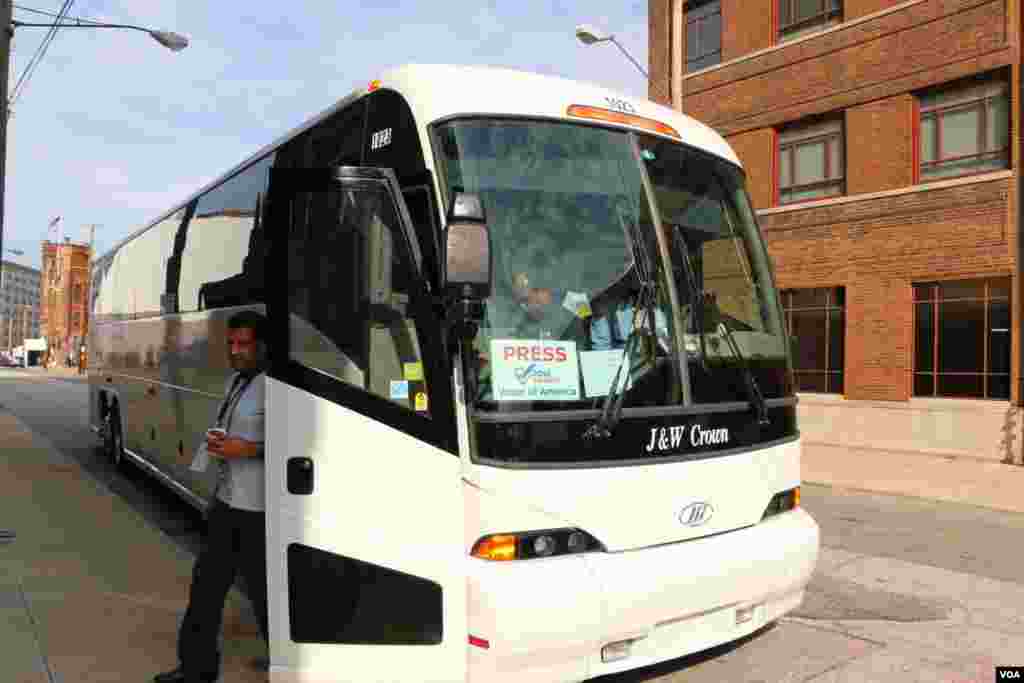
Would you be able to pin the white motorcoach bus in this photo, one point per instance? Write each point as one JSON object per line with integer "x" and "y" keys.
{"x": 530, "y": 406}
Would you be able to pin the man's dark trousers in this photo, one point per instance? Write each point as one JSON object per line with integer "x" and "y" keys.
{"x": 235, "y": 543}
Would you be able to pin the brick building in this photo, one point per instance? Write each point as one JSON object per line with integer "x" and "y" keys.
{"x": 19, "y": 305}
{"x": 881, "y": 139}
{"x": 64, "y": 319}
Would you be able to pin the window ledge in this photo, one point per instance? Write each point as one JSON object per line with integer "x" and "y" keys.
{"x": 924, "y": 187}
{"x": 800, "y": 39}
{"x": 914, "y": 403}
{"x": 814, "y": 397}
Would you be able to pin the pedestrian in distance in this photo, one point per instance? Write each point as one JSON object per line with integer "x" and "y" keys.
{"x": 235, "y": 541}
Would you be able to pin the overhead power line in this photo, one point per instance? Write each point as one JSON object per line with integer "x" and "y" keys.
{"x": 51, "y": 14}
{"x": 26, "y": 75}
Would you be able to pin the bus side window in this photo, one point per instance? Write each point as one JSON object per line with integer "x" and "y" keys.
{"x": 350, "y": 280}
{"x": 222, "y": 260}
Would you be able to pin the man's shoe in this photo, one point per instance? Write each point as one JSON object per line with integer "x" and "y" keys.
{"x": 179, "y": 676}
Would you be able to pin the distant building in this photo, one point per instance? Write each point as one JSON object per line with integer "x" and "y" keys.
{"x": 19, "y": 304}
{"x": 64, "y": 319}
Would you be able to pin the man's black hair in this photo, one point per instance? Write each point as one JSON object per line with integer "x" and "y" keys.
{"x": 257, "y": 322}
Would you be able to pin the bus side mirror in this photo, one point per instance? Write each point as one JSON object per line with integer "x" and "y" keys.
{"x": 466, "y": 280}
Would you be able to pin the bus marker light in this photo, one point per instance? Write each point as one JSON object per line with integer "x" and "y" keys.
{"x": 479, "y": 642}
{"x": 609, "y": 116}
{"x": 796, "y": 497}
{"x": 374, "y": 84}
{"x": 498, "y": 547}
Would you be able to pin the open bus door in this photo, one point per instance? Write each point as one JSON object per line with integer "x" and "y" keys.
{"x": 365, "y": 546}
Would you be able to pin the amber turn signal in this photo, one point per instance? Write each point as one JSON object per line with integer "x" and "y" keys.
{"x": 609, "y": 116}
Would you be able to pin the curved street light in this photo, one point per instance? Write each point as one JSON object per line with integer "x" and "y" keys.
{"x": 172, "y": 41}
{"x": 588, "y": 35}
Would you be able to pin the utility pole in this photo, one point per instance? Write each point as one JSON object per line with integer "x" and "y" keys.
{"x": 6, "y": 33}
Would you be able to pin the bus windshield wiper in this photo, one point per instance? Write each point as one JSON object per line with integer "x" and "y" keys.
{"x": 643, "y": 304}
{"x": 696, "y": 313}
{"x": 611, "y": 413}
{"x": 756, "y": 397}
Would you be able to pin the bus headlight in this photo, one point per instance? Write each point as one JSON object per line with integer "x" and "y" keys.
{"x": 528, "y": 545}
{"x": 782, "y": 502}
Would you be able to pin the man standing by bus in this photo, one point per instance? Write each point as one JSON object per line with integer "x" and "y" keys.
{"x": 236, "y": 523}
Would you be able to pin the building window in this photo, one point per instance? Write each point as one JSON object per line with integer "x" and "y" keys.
{"x": 964, "y": 129}
{"x": 816, "y": 322}
{"x": 811, "y": 162}
{"x": 703, "y": 35}
{"x": 797, "y": 17}
{"x": 962, "y": 339}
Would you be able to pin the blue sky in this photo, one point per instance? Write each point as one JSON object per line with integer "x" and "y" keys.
{"x": 113, "y": 129}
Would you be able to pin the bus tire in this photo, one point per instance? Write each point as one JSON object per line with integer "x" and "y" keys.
{"x": 114, "y": 436}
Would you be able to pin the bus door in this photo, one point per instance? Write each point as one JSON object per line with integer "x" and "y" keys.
{"x": 365, "y": 545}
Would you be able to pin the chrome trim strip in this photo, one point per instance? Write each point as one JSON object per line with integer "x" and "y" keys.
{"x": 695, "y": 615}
{"x": 760, "y": 600}
{"x": 167, "y": 480}
{"x": 698, "y": 409}
{"x": 165, "y": 384}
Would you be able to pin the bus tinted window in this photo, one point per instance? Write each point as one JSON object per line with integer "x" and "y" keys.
{"x": 349, "y": 291}
{"x": 222, "y": 263}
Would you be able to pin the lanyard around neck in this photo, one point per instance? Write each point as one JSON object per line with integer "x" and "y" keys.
{"x": 241, "y": 382}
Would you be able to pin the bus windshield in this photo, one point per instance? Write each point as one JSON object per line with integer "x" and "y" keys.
{"x": 588, "y": 299}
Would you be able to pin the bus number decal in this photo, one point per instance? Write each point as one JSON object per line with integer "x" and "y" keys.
{"x": 382, "y": 138}
{"x": 620, "y": 105}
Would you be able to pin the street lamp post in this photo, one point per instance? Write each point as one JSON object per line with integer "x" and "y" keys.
{"x": 588, "y": 35}
{"x": 172, "y": 41}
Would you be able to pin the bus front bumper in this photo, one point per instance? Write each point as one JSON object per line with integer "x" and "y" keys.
{"x": 563, "y": 618}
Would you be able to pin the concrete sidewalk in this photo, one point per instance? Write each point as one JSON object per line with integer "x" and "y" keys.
{"x": 959, "y": 480}
{"x": 89, "y": 591}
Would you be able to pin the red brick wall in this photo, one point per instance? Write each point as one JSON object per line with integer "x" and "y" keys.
{"x": 858, "y": 8}
{"x": 924, "y": 44}
{"x": 877, "y": 249}
{"x": 879, "y": 145}
{"x": 746, "y": 27}
{"x": 659, "y": 51}
{"x": 756, "y": 151}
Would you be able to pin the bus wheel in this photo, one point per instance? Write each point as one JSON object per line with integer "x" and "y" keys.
{"x": 114, "y": 437}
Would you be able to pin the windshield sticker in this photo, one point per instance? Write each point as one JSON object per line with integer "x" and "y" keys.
{"x": 413, "y": 371}
{"x": 399, "y": 390}
{"x": 421, "y": 402}
{"x": 599, "y": 368}
{"x": 577, "y": 303}
{"x": 535, "y": 370}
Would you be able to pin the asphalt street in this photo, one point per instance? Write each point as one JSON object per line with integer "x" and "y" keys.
{"x": 907, "y": 589}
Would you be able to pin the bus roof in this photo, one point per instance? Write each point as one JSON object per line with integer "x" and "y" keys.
{"x": 439, "y": 91}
